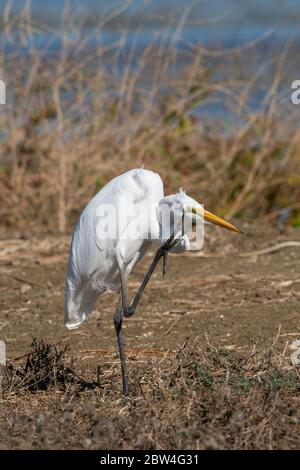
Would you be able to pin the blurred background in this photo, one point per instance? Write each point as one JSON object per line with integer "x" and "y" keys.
{"x": 196, "y": 90}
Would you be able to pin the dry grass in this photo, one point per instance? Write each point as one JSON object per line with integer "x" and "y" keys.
{"x": 79, "y": 115}
{"x": 206, "y": 398}
{"x": 45, "y": 367}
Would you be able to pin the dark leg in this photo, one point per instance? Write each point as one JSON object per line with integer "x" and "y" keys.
{"x": 128, "y": 311}
{"x": 118, "y": 328}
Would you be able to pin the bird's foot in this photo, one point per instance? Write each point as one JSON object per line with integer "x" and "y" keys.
{"x": 168, "y": 245}
{"x": 165, "y": 249}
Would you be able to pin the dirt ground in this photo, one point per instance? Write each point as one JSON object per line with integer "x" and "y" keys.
{"x": 232, "y": 296}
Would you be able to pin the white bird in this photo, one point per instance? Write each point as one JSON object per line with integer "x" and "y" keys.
{"x": 132, "y": 209}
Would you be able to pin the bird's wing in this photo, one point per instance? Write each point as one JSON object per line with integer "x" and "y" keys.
{"x": 141, "y": 222}
{"x": 92, "y": 267}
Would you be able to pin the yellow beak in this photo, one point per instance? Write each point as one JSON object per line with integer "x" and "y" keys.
{"x": 214, "y": 219}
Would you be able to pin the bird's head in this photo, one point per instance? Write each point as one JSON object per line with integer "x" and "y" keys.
{"x": 180, "y": 208}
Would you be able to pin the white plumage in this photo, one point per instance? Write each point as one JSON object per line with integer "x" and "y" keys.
{"x": 93, "y": 266}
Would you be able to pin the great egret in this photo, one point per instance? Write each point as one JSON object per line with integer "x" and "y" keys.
{"x": 101, "y": 261}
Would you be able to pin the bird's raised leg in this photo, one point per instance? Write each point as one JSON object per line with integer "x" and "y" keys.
{"x": 121, "y": 344}
{"x": 128, "y": 310}
{"x": 165, "y": 261}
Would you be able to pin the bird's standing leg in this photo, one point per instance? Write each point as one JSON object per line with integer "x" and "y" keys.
{"x": 128, "y": 310}
{"x": 121, "y": 344}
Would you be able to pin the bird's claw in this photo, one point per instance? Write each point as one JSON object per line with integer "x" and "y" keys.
{"x": 166, "y": 247}
{"x": 169, "y": 244}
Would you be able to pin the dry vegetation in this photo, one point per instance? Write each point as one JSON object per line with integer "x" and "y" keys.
{"x": 80, "y": 113}
{"x": 202, "y": 398}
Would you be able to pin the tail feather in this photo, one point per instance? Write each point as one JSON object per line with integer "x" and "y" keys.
{"x": 77, "y": 308}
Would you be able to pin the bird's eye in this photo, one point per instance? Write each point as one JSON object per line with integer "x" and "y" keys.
{"x": 194, "y": 211}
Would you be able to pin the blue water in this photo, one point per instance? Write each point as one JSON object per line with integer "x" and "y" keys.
{"x": 214, "y": 24}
